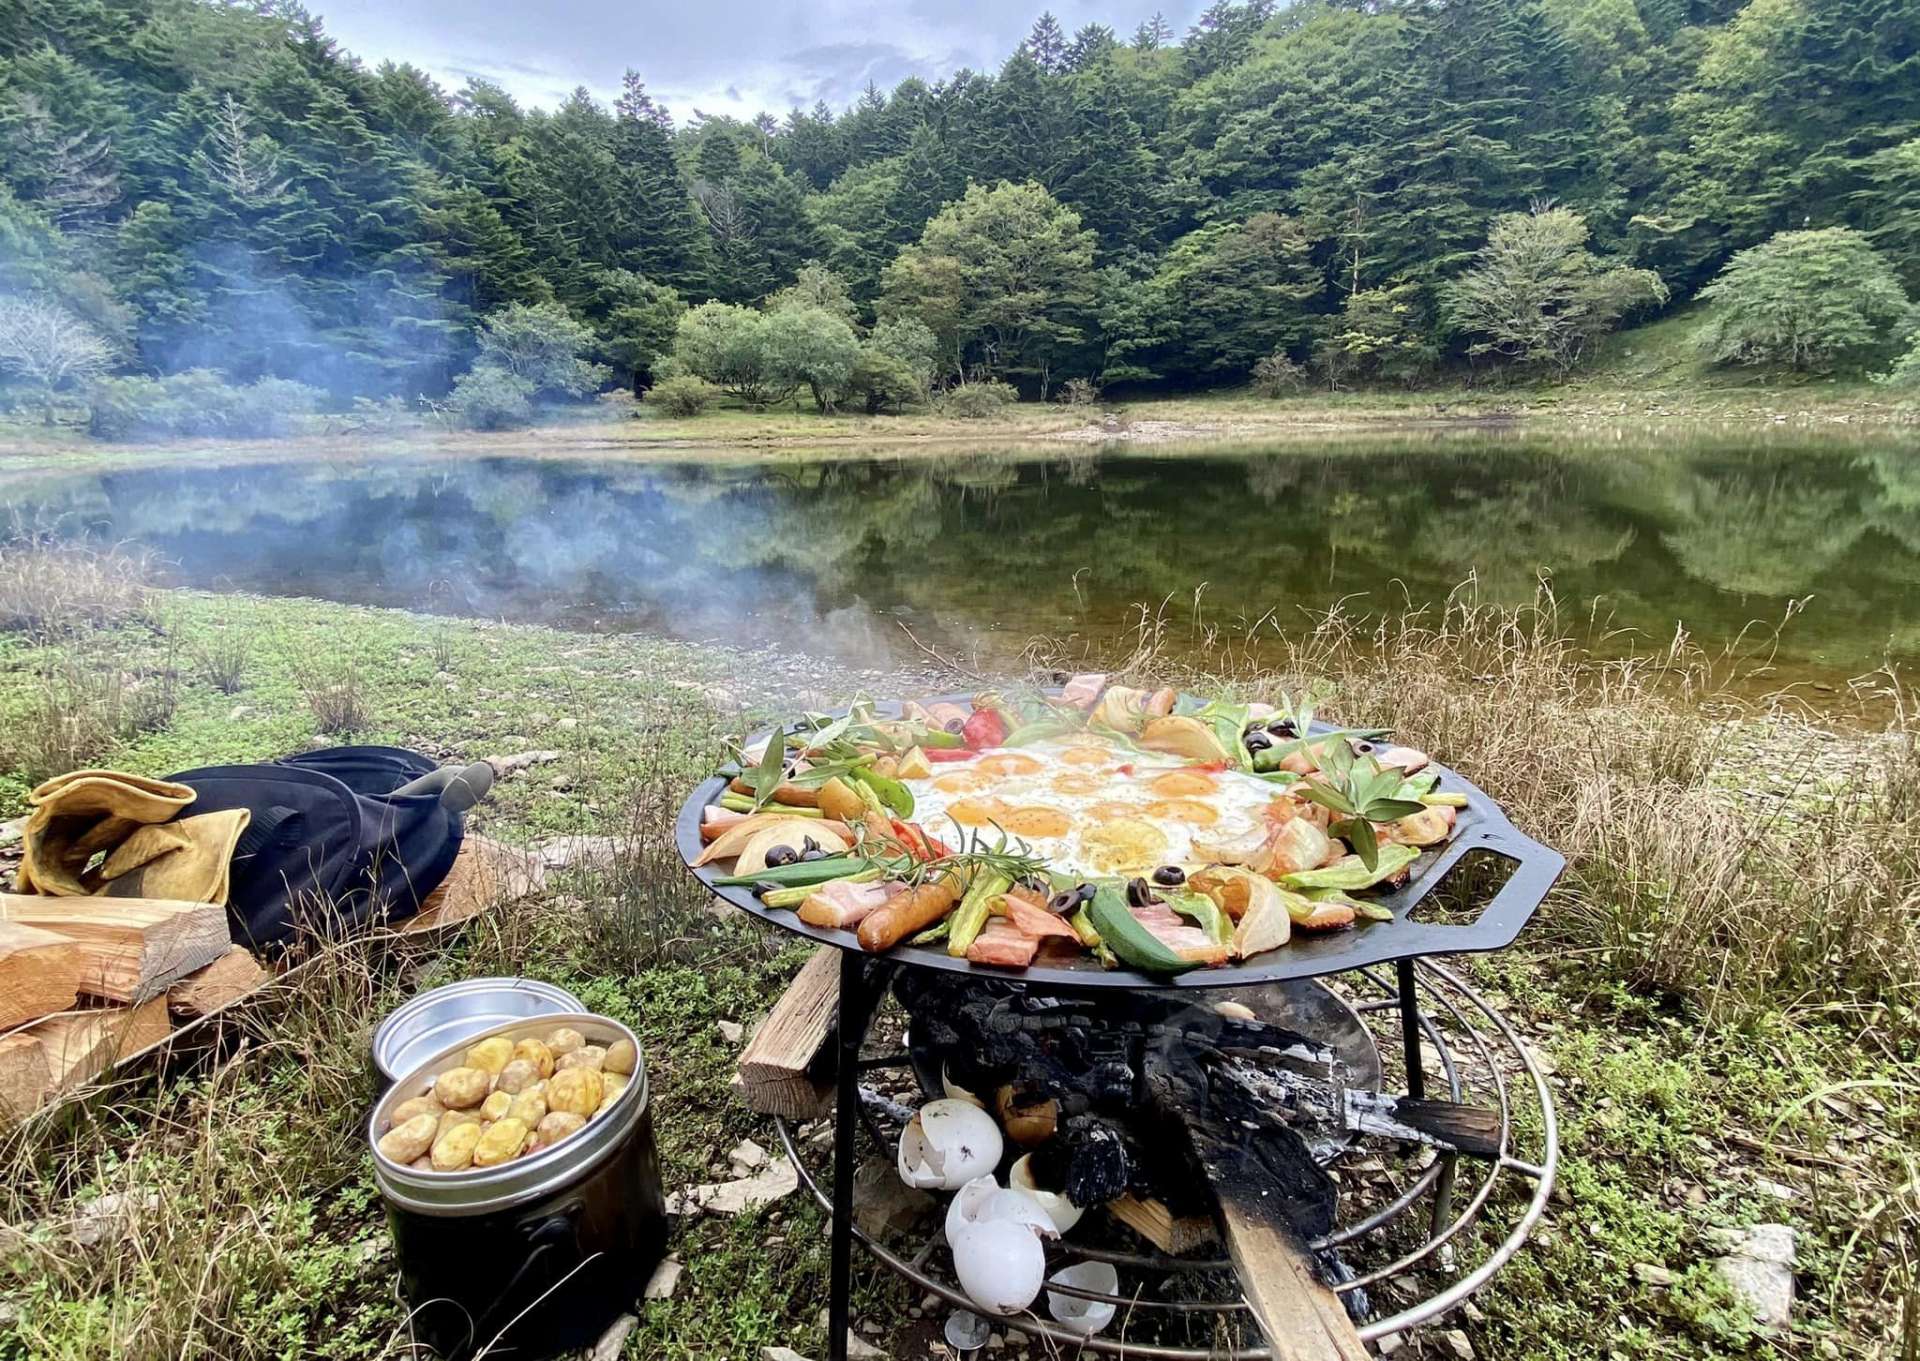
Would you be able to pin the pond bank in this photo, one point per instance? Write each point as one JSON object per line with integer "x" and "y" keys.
{"x": 1679, "y": 1115}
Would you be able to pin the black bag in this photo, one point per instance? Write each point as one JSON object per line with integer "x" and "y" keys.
{"x": 330, "y": 848}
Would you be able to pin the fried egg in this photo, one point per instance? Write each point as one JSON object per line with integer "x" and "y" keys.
{"x": 1090, "y": 807}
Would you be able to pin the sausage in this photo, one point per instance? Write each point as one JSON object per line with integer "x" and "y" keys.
{"x": 915, "y": 910}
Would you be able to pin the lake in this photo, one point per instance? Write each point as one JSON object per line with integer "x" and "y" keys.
{"x": 977, "y": 554}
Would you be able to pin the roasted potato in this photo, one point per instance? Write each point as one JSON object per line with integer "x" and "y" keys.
{"x": 461, "y": 1088}
{"x": 448, "y": 1119}
{"x": 529, "y": 1106}
{"x": 565, "y": 1040}
{"x": 621, "y": 1058}
{"x": 517, "y": 1076}
{"x": 557, "y": 1125}
{"x": 492, "y": 1054}
{"x": 575, "y": 1090}
{"x": 496, "y": 1106}
{"x": 586, "y": 1056}
{"x": 423, "y": 1163}
{"x": 537, "y": 1053}
{"x": 453, "y": 1150}
{"x": 408, "y": 1139}
{"x": 502, "y": 1140}
{"x": 415, "y": 1105}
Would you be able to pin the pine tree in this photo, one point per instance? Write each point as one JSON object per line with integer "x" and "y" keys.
{"x": 1153, "y": 34}
{"x": 1089, "y": 45}
{"x": 1047, "y": 44}
{"x": 1109, "y": 175}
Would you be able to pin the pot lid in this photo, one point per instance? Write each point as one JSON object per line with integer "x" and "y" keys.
{"x": 441, "y": 1017}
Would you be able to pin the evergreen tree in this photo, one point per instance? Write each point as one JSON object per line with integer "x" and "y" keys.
{"x": 1090, "y": 45}
{"x": 1153, "y": 33}
{"x": 1047, "y": 44}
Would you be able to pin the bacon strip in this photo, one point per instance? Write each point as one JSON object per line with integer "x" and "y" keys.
{"x": 1004, "y": 944}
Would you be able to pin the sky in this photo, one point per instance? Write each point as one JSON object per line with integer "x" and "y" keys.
{"x": 718, "y": 56}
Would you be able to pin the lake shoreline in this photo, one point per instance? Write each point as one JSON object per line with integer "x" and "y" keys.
{"x": 621, "y": 429}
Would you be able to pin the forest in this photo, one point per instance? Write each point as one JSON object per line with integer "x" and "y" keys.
{"x": 211, "y": 214}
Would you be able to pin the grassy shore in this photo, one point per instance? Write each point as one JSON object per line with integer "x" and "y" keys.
{"x": 1646, "y": 377}
{"x": 1724, "y": 987}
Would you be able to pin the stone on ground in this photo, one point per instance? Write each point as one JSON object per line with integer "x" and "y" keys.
{"x": 1758, "y": 1266}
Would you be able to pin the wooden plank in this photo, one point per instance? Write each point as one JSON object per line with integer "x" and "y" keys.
{"x": 134, "y": 947}
{"x": 25, "y": 1079}
{"x": 81, "y": 1045}
{"x": 485, "y": 874}
{"x": 39, "y": 973}
{"x": 226, "y": 980}
{"x": 1153, "y": 1221}
{"x": 786, "y": 1068}
{"x": 1302, "y": 1318}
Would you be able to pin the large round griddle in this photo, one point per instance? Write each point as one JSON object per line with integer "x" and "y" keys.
{"x": 1480, "y": 826}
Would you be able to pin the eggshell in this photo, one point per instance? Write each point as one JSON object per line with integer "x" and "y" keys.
{"x": 1001, "y": 1265}
{"x": 981, "y": 1200}
{"x": 964, "y": 1212}
{"x": 1085, "y": 1317}
{"x": 946, "y": 1145}
{"x": 955, "y": 1092}
{"x": 1063, "y": 1212}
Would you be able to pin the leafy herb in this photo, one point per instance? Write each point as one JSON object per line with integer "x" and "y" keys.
{"x": 1362, "y": 792}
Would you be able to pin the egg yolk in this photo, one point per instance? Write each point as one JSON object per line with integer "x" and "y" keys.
{"x": 1078, "y": 782}
{"x": 1010, "y": 763}
{"x": 977, "y": 812}
{"x": 1110, "y": 809}
{"x": 1037, "y": 820}
{"x": 960, "y": 782}
{"x": 1190, "y": 811}
{"x": 1182, "y": 784}
{"x": 1086, "y": 756}
{"x": 1123, "y": 845}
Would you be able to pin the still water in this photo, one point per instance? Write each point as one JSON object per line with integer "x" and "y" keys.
{"x": 980, "y": 553}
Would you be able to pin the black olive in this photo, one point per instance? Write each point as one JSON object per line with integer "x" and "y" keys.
{"x": 1032, "y": 883}
{"x": 781, "y": 855}
{"x": 1060, "y": 904}
{"x": 956, "y": 725}
{"x": 764, "y": 887}
{"x": 1170, "y": 876}
{"x": 1258, "y": 739}
{"x": 807, "y": 843}
{"x": 815, "y": 854}
{"x": 1086, "y": 892}
{"x": 1363, "y": 748}
{"x": 1283, "y": 727}
{"x": 1139, "y": 893}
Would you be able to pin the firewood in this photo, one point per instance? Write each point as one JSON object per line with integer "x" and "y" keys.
{"x": 485, "y": 874}
{"x": 39, "y": 973}
{"x": 1160, "y": 1226}
{"x": 226, "y": 980}
{"x": 25, "y": 1080}
{"x": 80, "y": 1045}
{"x": 132, "y": 947}
{"x": 787, "y": 1067}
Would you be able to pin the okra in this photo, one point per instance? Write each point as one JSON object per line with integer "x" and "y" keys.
{"x": 1121, "y": 932}
{"x": 800, "y": 872}
{"x": 743, "y": 803}
{"x": 971, "y": 915}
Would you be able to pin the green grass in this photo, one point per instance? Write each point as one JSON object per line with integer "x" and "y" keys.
{"x": 265, "y": 1236}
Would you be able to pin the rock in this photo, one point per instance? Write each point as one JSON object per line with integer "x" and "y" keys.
{"x": 780, "y": 1354}
{"x": 109, "y": 1216}
{"x": 579, "y": 852}
{"x": 1458, "y": 1344}
{"x": 730, "y": 1031}
{"x": 870, "y": 1328}
{"x": 238, "y": 712}
{"x": 859, "y": 1349}
{"x": 883, "y": 1205}
{"x": 561, "y": 783}
{"x": 1649, "y": 1274}
{"x": 996, "y": 1342}
{"x": 665, "y": 1280}
{"x": 778, "y": 1179}
{"x": 1778, "y": 1190}
{"x": 504, "y": 766}
{"x": 611, "y": 1341}
{"x": 1758, "y": 1266}
{"x": 747, "y": 1159}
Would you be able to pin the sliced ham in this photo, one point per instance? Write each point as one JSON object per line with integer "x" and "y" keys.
{"x": 1036, "y": 922}
{"x": 1181, "y": 936}
{"x": 844, "y": 904}
{"x": 1084, "y": 691}
{"x": 1002, "y": 943}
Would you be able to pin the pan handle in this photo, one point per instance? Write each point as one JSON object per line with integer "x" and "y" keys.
{"x": 1536, "y": 867}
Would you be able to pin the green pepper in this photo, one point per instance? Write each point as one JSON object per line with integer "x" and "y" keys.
{"x": 939, "y": 737}
{"x": 1206, "y": 914}
{"x": 894, "y": 797}
{"x": 1350, "y": 872}
{"x": 971, "y": 915}
{"x": 1377, "y": 912}
{"x": 802, "y": 872}
{"x": 1037, "y": 731}
{"x": 1121, "y": 932}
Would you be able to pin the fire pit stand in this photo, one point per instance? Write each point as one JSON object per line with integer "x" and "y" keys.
{"x": 1431, "y": 1008}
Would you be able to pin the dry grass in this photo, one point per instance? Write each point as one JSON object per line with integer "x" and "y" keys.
{"x": 222, "y": 661}
{"x": 338, "y": 701}
{"x": 50, "y": 589}
{"x": 1697, "y": 868}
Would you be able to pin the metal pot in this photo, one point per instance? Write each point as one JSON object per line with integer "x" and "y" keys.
{"x": 538, "y": 1255}
{"x": 460, "y": 1013}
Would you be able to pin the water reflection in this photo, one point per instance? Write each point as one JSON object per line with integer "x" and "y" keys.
{"x": 981, "y": 553}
